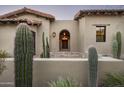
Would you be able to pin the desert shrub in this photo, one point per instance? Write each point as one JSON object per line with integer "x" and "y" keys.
{"x": 61, "y": 82}
{"x": 113, "y": 80}
{"x": 3, "y": 55}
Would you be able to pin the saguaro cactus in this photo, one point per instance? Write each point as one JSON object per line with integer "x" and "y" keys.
{"x": 43, "y": 42}
{"x": 118, "y": 38}
{"x": 47, "y": 49}
{"x": 93, "y": 63}
{"x": 23, "y": 54}
{"x": 115, "y": 48}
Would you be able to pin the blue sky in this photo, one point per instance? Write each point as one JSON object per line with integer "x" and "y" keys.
{"x": 61, "y": 12}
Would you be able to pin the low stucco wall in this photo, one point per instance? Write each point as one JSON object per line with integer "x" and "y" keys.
{"x": 45, "y": 70}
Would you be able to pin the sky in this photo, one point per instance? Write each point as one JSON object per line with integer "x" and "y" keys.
{"x": 61, "y": 12}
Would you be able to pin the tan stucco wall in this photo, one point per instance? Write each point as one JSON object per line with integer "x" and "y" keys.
{"x": 7, "y": 34}
{"x": 45, "y": 70}
{"x": 57, "y": 27}
{"x": 89, "y": 32}
{"x": 82, "y": 32}
{"x": 7, "y": 37}
{"x": 45, "y": 27}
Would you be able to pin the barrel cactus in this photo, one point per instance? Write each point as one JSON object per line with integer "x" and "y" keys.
{"x": 115, "y": 48}
{"x": 93, "y": 63}
{"x": 23, "y": 56}
{"x": 118, "y": 38}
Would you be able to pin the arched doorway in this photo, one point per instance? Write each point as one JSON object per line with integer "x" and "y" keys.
{"x": 64, "y": 40}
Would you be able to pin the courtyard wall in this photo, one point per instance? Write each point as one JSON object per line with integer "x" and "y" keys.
{"x": 45, "y": 70}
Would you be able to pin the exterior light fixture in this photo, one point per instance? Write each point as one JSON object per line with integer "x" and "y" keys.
{"x": 54, "y": 34}
{"x": 64, "y": 33}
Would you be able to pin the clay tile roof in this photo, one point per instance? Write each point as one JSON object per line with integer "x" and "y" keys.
{"x": 27, "y": 10}
{"x": 17, "y": 21}
{"x": 98, "y": 12}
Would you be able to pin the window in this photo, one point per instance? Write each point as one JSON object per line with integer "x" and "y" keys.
{"x": 100, "y": 33}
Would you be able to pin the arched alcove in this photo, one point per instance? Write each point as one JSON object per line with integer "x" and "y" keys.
{"x": 64, "y": 40}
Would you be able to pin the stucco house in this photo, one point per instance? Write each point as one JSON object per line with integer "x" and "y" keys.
{"x": 89, "y": 27}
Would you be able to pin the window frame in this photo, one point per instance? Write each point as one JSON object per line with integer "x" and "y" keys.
{"x": 104, "y": 36}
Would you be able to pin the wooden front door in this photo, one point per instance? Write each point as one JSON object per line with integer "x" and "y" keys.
{"x": 64, "y": 41}
{"x": 64, "y": 44}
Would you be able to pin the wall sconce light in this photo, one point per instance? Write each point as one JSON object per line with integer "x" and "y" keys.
{"x": 54, "y": 34}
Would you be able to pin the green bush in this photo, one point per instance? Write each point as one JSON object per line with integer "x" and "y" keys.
{"x": 113, "y": 80}
{"x": 3, "y": 55}
{"x": 61, "y": 82}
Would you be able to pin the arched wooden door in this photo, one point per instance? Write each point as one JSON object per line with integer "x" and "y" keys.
{"x": 64, "y": 40}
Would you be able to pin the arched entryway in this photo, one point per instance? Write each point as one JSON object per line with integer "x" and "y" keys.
{"x": 64, "y": 40}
